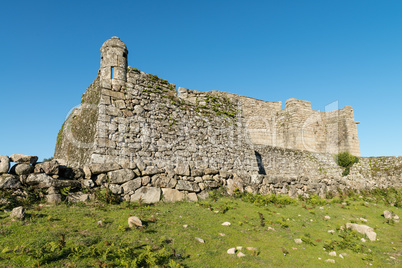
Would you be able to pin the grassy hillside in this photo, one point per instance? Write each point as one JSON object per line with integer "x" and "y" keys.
{"x": 68, "y": 235}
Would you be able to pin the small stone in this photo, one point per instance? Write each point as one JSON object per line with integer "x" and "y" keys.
{"x": 251, "y": 248}
{"x": 330, "y": 260}
{"x": 200, "y": 240}
{"x": 240, "y": 254}
{"x": 270, "y": 228}
{"x": 363, "y": 240}
{"x": 332, "y": 253}
{"x": 88, "y": 183}
{"x": 298, "y": 241}
{"x": 18, "y": 213}
{"x": 221, "y": 234}
{"x": 231, "y": 251}
{"x": 100, "y": 223}
{"x": 53, "y": 198}
{"x": 331, "y": 231}
{"x": 134, "y": 221}
{"x": 216, "y": 211}
{"x": 185, "y": 226}
{"x": 226, "y": 223}
{"x": 363, "y": 219}
{"x": 327, "y": 217}
{"x": 321, "y": 207}
{"x": 341, "y": 256}
{"x": 239, "y": 248}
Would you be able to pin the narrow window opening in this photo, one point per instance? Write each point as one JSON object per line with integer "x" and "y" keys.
{"x": 112, "y": 73}
{"x": 260, "y": 164}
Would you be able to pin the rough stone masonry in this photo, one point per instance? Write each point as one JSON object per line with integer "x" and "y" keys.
{"x": 136, "y": 136}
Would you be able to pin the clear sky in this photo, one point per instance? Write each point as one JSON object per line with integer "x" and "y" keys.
{"x": 321, "y": 51}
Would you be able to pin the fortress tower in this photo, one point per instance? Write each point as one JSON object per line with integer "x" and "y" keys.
{"x": 113, "y": 65}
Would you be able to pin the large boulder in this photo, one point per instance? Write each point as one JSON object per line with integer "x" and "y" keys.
{"x": 187, "y": 186}
{"x": 363, "y": 229}
{"x": 103, "y": 168}
{"x": 120, "y": 176}
{"x": 8, "y": 181}
{"x": 22, "y": 158}
{"x": 147, "y": 195}
{"x": 50, "y": 167}
{"x": 40, "y": 180}
{"x": 4, "y": 164}
{"x": 172, "y": 195}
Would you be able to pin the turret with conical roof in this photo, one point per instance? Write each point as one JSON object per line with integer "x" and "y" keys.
{"x": 113, "y": 67}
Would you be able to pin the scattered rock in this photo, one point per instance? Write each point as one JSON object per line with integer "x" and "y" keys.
{"x": 298, "y": 241}
{"x": 18, "y": 213}
{"x": 363, "y": 229}
{"x": 327, "y": 217}
{"x": 101, "y": 179}
{"x": 77, "y": 197}
{"x": 240, "y": 255}
{"x": 389, "y": 215}
{"x": 341, "y": 256}
{"x": 226, "y": 223}
{"x": 363, "y": 219}
{"x": 4, "y": 164}
{"x": 221, "y": 234}
{"x": 331, "y": 231}
{"x": 185, "y": 225}
{"x": 231, "y": 251}
{"x": 23, "y": 159}
{"x": 330, "y": 261}
{"x": 251, "y": 248}
{"x": 200, "y": 240}
{"x": 363, "y": 240}
{"x": 270, "y": 228}
{"x": 53, "y": 198}
{"x": 239, "y": 248}
{"x": 100, "y": 223}
{"x": 134, "y": 221}
{"x": 332, "y": 253}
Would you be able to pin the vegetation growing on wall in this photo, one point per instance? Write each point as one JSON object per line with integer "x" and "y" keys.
{"x": 346, "y": 160}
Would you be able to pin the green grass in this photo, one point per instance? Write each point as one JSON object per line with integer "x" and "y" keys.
{"x": 68, "y": 235}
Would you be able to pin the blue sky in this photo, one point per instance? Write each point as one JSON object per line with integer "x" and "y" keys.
{"x": 321, "y": 51}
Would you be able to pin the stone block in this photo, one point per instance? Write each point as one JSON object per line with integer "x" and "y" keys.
{"x": 8, "y": 181}
{"x": 130, "y": 186}
{"x": 187, "y": 186}
{"x": 147, "y": 195}
{"x": 120, "y": 176}
{"x": 22, "y": 158}
{"x": 172, "y": 195}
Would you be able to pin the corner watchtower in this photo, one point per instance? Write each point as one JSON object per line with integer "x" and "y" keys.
{"x": 113, "y": 67}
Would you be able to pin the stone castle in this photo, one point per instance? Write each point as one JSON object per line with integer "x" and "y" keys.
{"x": 137, "y": 137}
{"x": 128, "y": 115}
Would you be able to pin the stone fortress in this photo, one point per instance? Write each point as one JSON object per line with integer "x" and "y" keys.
{"x": 127, "y": 114}
{"x": 137, "y": 136}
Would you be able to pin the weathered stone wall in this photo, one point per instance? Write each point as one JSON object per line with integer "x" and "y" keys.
{"x": 282, "y": 171}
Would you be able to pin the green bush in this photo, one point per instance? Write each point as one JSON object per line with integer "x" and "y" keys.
{"x": 346, "y": 160}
